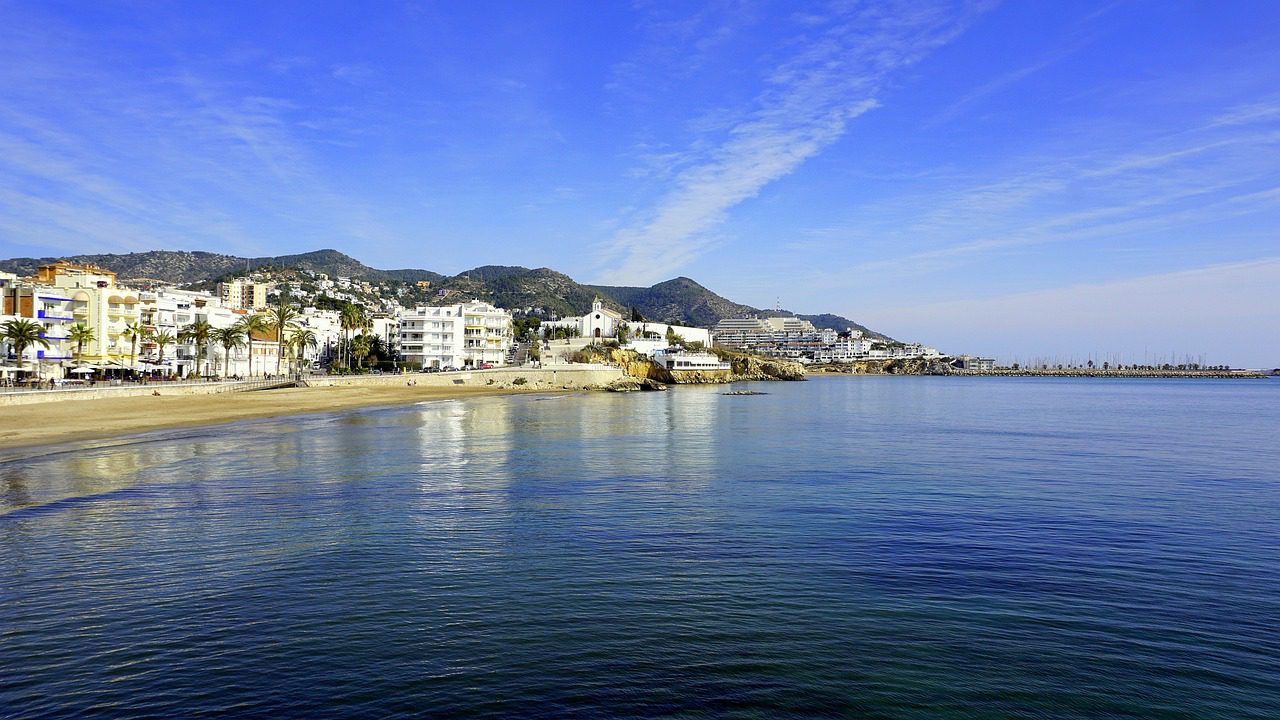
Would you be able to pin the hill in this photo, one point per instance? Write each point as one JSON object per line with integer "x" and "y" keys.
{"x": 681, "y": 300}
{"x": 186, "y": 267}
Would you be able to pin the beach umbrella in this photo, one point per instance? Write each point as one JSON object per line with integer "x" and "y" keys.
{"x": 82, "y": 371}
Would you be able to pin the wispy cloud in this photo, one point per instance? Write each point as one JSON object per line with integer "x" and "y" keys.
{"x": 997, "y": 85}
{"x": 806, "y": 104}
{"x": 1192, "y": 177}
{"x": 93, "y": 156}
{"x": 1079, "y": 36}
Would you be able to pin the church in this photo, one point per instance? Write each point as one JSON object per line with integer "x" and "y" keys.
{"x": 600, "y": 323}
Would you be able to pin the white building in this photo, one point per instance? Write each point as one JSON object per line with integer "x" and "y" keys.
{"x": 326, "y": 325}
{"x": 387, "y": 328}
{"x": 638, "y": 332}
{"x": 676, "y": 358}
{"x": 468, "y": 334}
{"x": 64, "y": 295}
{"x": 844, "y": 349}
{"x": 600, "y": 323}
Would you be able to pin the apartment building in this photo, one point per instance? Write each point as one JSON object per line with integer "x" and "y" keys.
{"x": 469, "y": 334}
{"x": 243, "y": 294}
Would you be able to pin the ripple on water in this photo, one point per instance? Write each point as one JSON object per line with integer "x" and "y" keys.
{"x": 906, "y": 547}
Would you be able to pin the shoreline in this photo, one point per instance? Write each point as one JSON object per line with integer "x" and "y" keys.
{"x": 45, "y": 424}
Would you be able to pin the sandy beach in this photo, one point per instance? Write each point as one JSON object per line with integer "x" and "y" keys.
{"x": 47, "y": 423}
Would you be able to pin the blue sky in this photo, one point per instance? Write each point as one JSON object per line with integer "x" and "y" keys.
{"x": 1019, "y": 179}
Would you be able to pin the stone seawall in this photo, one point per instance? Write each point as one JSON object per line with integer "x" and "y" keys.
{"x": 573, "y": 377}
{"x": 107, "y": 391}
{"x": 559, "y": 377}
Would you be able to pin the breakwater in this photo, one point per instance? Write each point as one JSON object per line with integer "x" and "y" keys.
{"x": 920, "y": 366}
{"x": 1081, "y": 372}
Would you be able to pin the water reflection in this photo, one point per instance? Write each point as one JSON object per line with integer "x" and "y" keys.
{"x": 831, "y": 542}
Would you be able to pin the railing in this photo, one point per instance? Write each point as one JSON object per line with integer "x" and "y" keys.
{"x": 80, "y": 386}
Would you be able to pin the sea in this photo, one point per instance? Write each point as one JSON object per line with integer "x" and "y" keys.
{"x": 860, "y": 547}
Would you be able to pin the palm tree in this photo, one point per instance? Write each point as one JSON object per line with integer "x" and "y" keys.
{"x": 230, "y": 338}
{"x": 80, "y": 334}
{"x": 22, "y": 334}
{"x": 255, "y": 324}
{"x": 350, "y": 318}
{"x": 282, "y": 319}
{"x": 135, "y": 332}
{"x": 198, "y": 332}
{"x": 301, "y": 340}
{"x": 162, "y": 338}
{"x": 361, "y": 346}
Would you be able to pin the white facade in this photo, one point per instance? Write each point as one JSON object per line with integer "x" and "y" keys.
{"x": 600, "y": 323}
{"x": 327, "y": 327}
{"x": 387, "y": 328}
{"x": 658, "y": 331}
{"x": 463, "y": 335}
{"x": 65, "y": 295}
{"x": 844, "y": 350}
{"x": 678, "y": 359}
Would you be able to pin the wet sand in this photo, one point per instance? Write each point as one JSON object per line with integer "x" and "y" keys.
{"x": 54, "y": 422}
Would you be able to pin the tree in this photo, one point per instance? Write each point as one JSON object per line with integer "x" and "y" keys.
{"x": 198, "y": 332}
{"x": 378, "y": 349}
{"x": 135, "y": 332}
{"x": 350, "y": 317}
{"x": 250, "y": 325}
{"x": 161, "y": 339}
{"x": 635, "y": 315}
{"x": 673, "y": 338}
{"x": 282, "y": 320}
{"x": 230, "y": 338}
{"x": 622, "y": 334}
{"x": 22, "y": 334}
{"x": 80, "y": 334}
{"x": 299, "y": 342}
{"x": 361, "y": 346}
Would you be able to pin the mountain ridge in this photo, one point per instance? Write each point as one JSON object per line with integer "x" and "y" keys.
{"x": 680, "y": 300}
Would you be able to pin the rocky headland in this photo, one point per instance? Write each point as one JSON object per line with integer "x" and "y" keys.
{"x": 648, "y": 373}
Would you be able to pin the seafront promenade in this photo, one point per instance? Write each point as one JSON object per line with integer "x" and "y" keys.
{"x": 45, "y": 394}
{"x": 546, "y": 378}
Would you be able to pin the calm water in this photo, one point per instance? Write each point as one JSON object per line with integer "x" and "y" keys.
{"x": 860, "y": 547}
